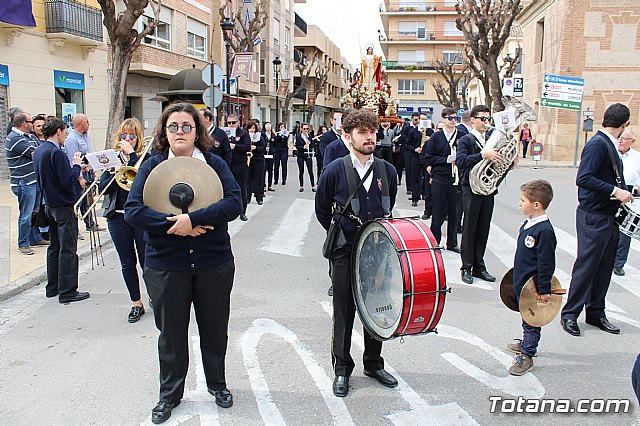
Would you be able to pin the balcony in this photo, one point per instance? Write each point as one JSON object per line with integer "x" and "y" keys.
{"x": 300, "y": 26}
{"x": 68, "y": 17}
{"x": 412, "y": 6}
{"x": 423, "y": 35}
{"x": 395, "y": 65}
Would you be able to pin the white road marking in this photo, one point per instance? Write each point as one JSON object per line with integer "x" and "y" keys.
{"x": 420, "y": 413}
{"x": 252, "y": 209}
{"x": 196, "y": 402}
{"x": 288, "y": 238}
{"x": 623, "y": 319}
{"x": 267, "y": 407}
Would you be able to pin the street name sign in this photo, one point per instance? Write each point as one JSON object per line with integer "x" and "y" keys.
{"x": 562, "y": 92}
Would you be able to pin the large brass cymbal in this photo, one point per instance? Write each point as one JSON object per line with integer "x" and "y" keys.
{"x": 192, "y": 173}
{"x": 534, "y": 312}
{"x": 507, "y": 295}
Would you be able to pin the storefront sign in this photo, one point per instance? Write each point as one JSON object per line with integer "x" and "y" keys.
{"x": 242, "y": 65}
{"x": 425, "y": 110}
{"x": 68, "y": 80}
{"x": 4, "y": 75}
{"x": 405, "y": 110}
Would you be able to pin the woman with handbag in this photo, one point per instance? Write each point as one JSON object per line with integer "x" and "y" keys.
{"x": 128, "y": 241}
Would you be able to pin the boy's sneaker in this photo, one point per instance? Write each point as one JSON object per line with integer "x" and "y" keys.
{"x": 521, "y": 365}
{"x": 514, "y": 346}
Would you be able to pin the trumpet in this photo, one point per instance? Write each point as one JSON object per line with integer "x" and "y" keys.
{"x": 249, "y": 155}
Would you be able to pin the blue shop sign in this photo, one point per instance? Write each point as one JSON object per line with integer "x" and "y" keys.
{"x": 425, "y": 110}
{"x": 405, "y": 110}
{"x": 68, "y": 80}
{"x": 4, "y": 75}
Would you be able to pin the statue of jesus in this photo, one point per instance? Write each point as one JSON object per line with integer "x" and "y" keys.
{"x": 371, "y": 76}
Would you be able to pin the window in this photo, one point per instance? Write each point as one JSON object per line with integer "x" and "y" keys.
{"x": 539, "y": 41}
{"x": 518, "y": 69}
{"x": 287, "y": 7}
{"x": 410, "y": 57}
{"x": 412, "y": 29}
{"x": 196, "y": 39}
{"x": 452, "y": 56}
{"x": 161, "y": 34}
{"x": 450, "y": 29}
{"x": 285, "y": 70}
{"x": 263, "y": 78}
{"x": 411, "y": 87}
{"x": 276, "y": 30}
{"x": 287, "y": 38}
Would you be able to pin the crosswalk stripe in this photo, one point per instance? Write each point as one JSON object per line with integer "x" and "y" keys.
{"x": 288, "y": 238}
{"x": 252, "y": 210}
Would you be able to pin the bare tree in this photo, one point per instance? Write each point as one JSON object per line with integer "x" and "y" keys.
{"x": 304, "y": 70}
{"x": 486, "y": 25}
{"x": 244, "y": 32}
{"x": 319, "y": 83}
{"x": 124, "y": 39}
{"x": 454, "y": 76}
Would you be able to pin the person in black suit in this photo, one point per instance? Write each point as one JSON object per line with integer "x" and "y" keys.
{"x": 304, "y": 154}
{"x": 464, "y": 128}
{"x": 255, "y": 180}
{"x": 420, "y": 177}
{"x": 240, "y": 145}
{"x": 339, "y": 147}
{"x": 397, "y": 150}
{"x": 478, "y": 209}
{"x": 316, "y": 146}
{"x": 332, "y": 134}
{"x": 270, "y": 139}
{"x": 281, "y": 154}
{"x": 596, "y": 227}
{"x": 440, "y": 154}
{"x": 220, "y": 146}
{"x": 407, "y": 151}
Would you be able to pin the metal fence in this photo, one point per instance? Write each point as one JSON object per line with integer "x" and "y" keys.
{"x": 423, "y": 35}
{"x": 71, "y": 17}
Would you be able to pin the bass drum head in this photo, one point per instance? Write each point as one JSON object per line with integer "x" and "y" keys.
{"x": 377, "y": 281}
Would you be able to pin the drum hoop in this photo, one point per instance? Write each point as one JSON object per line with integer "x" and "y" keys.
{"x": 436, "y": 266}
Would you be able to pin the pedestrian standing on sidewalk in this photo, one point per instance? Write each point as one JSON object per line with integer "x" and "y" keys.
{"x": 58, "y": 180}
{"x": 20, "y": 146}
{"x": 525, "y": 138}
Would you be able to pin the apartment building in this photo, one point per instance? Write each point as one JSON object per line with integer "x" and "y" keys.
{"x": 316, "y": 47}
{"x": 416, "y": 34}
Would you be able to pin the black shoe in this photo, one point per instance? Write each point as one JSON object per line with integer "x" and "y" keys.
{"x": 484, "y": 275}
{"x": 382, "y": 377}
{"x": 135, "y": 314}
{"x": 466, "y": 277}
{"x": 50, "y": 295}
{"x": 603, "y": 324}
{"x": 260, "y": 202}
{"x": 284, "y": 183}
{"x": 81, "y": 295}
{"x": 330, "y": 291}
{"x": 341, "y": 386}
{"x": 455, "y": 249}
{"x": 275, "y": 182}
{"x": 162, "y": 412}
{"x": 243, "y": 217}
{"x": 408, "y": 192}
{"x": 570, "y": 326}
{"x": 414, "y": 204}
{"x": 224, "y": 399}
{"x": 618, "y": 271}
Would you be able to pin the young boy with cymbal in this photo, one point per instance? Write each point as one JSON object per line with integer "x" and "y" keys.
{"x": 535, "y": 255}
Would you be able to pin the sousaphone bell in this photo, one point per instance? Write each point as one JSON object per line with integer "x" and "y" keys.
{"x": 180, "y": 185}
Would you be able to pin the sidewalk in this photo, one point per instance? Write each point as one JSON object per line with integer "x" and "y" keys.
{"x": 528, "y": 162}
{"x": 19, "y": 272}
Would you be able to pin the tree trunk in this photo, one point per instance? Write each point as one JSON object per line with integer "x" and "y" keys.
{"x": 495, "y": 86}
{"x": 121, "y": 58}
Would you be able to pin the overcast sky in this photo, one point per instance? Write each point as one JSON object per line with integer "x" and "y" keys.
{"x": 350, "y": 24}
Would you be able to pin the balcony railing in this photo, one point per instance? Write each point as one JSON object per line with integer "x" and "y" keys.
{"x": 414, "y": 6}
{"x": 71, "y": 17}
{"x": 395, "y": 65}
{"x": 424, "y": 36}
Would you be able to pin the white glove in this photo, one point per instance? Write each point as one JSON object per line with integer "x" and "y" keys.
{"x": 451, "y": 158}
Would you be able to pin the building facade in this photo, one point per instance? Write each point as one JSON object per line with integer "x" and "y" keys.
{"x": 416, "y": 34}
{"x": 601, "y": 47}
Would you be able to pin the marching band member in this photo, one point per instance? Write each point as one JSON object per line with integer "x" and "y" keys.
{"x": 220, "y": 145}
{"x": 240, "y": 145}
{"x": 128, "y": 241}
{"x": 281, "y": 153}
{"x": 255, "y": 182}
{"x": 304, "y": 154}
{"x": 596, "y": 227}
{"x": 188, "y": 261}
{"x": 333, "y": 133}
{"x": 359, "y": 129}
{"x": 270, "y": 138}
{"x": 420, "y": 186}
{"x": 407, "y": 150}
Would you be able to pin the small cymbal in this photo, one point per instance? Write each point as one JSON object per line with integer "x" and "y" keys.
{"x": 534, "y": 312}
{"x": 506, "y": 291}
{"x": 191, "y": 173}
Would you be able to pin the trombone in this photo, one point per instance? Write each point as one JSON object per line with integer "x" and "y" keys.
{"x": 124, "y": 177}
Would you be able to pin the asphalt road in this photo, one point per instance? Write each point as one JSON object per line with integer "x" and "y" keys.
{"x": 83, "y": 364}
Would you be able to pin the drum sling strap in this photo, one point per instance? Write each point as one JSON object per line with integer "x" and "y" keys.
{"x": 354, "y": 187}
{"x": 622, "y": 213}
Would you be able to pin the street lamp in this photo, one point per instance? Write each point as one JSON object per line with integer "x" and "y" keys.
{"x": 227, "y": 25}
{"x": 276, "y": 68}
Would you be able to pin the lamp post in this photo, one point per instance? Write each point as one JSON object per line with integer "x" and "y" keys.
{"x": 227, "y": 25}
{"x": 276, "y": 69}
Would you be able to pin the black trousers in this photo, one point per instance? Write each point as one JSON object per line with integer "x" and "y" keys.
{"x": 344, "y": 311}
{"x": 408, "y": 157}
{"x": 597, "y": 244}
{"x": 240, "y": 172}
{"x": 443, "y": 200}
{"x": 301, "y": 162}
{"x": 417, "y": 180}
{"x": 478, "y": 210}
{"x": 269, "y": 162}
{"x": 172, "y": 293}
{"x": 255, "y": 179}
{"x": 459, "y": 209}
{"x": 281, "y": 158}
{"x": 130, "y": 246}
{"x": 319, "y": 160}
{"x": 384, "y": 153}
{"x": 398, "y": 163}
{"x": 62, "y": 253}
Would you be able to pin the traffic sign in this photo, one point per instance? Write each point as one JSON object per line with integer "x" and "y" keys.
{"x": 562, "y": 92}
{"x": 507, "y": 87}
{"x": 460, "y": 112}
{"x": 518, "y": 87}
{"x": 217, "y": 75}
{"x": 537, "y": 148}
{"x": 212, "y": 101}
{"x": 223, "y": 85}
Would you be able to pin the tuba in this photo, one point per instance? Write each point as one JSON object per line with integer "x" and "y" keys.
{"x": 485, "y": 176}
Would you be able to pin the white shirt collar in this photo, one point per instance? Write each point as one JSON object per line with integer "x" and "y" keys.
{"x": 362, "y": 170}
{"x": 536, "y": 220}
{"x": 613, "y": 140}
{"x": 479, "y": 136}
{"x": 196, "y": 154}
{"x": 18, "y": 131}
{"x": 448, "y": 134}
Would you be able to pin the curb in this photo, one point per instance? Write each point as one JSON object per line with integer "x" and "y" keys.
{"x": 34, "y": 278}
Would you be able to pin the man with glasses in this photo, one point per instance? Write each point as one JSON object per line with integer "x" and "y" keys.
{"x": 20, "y": 146}
{"x": 631, "y": 170}
{"x": 478, "y": 209}
{"x": 420, "y": 186}
{"x": 240, "y": 144}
